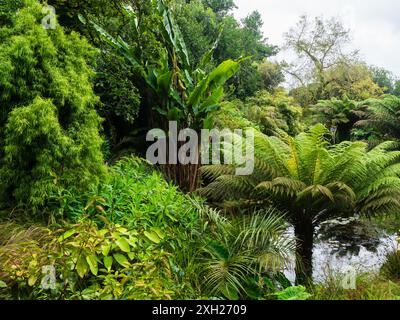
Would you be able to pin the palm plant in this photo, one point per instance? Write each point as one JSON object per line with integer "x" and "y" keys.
{"x": 382, "y": 116}
{"x": 241, "y": 251}
{"x": 311, "y": 181}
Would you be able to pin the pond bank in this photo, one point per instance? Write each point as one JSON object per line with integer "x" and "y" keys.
{"x": 344, "y": 243}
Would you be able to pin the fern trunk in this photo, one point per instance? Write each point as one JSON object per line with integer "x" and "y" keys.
{"x": 304, "y": 232}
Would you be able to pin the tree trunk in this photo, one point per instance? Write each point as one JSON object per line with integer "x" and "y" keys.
{"x": 304, "y": 232}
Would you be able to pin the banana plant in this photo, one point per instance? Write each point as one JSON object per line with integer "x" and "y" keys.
{"x": 185, "y": 93}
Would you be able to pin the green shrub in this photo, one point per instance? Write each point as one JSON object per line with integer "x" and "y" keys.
{"x": 49, "y": 129}
{"x": 90, "y": 263}
{"x": 138, "y": 237}
{"x": 136, "y": 198}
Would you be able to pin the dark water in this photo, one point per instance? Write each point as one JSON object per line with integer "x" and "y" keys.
{"x": 348, "y": 243}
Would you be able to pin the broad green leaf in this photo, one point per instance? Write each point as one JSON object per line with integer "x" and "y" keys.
{"x": 3, "y": 284}
{"x": 223, "y": 73}
{"x": 174, "y": 114}
{"x": 108, "y": 263}
{"x": 123, "y": 244}
{"x": 32, "y": 280}
{"x": 82, "y": 267}
{"x": 208, "y": 123}
{"x": 164, "y": 82}
{"x": 66, "y": 235}
{"x": 122, "y": 260}
{"x": 230, "y": 293}
{"x": 131, "y": 255}
{"x": 214, "y": 80}
{"x": 152, "y": 236}
{"x": 92, "y": 262}
{"x": 159, "y": 233}
{"x": 213, "y": 99}
{"x": 219, "y": 250}
{"x": 105, "y": 249}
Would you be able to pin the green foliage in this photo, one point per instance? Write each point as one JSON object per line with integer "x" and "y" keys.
{"x": 274, "y": 112}
{"x": 132, "y": 195}
{"x": 368, "y": 287}
{"x": 396, "y": 89}
{"x": 131, "y": 242}
{"x": 311, "y": 181}
{"x": 220, "y": 7}
{"x": 22, "y": 253}
{"x": 293, "y": 293}
{"x": 391, "y": 267}
{"x": 354, "y": 81}
{"x": 179, "y": 90}
{"x": 242, "y": 253}
{"x": 383, "y": 78}
{"x": 118, "y": 84}
{"x": 175, "y": 89}
{"x": 271, "y": 113}
{"x": 90, "y": 263}
{"x": 271, "y": 75}
{"x": 324, "y": 181}
{"x": 346, "y": 80}
{"x": 338, "y": 115}
{"x": 7, "y": 8}
{"x": 232, "y": 116}
{"x": 380, "y": 118}
{"x": 199, "y": 26}
{"x": 49, "y": 128}
{"x": 200, "y": 22}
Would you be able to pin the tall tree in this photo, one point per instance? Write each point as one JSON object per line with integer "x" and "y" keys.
{"x": 200, "y": 26}
{"x": 350, "y": 80}
{"x": 319, "y": 45}
{"x": 383, "y": 78}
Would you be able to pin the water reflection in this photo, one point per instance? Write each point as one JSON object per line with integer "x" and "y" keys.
{"x": 348, "y": 242}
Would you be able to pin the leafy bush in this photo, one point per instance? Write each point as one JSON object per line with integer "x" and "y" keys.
{"x": 90, "y": 263}
{"x": 138, "y": 237}
{"x": 49, "y": 130}
{"x": 137, "y": 197}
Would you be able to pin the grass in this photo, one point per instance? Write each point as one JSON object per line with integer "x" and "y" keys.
{"x": 368, "y": 287}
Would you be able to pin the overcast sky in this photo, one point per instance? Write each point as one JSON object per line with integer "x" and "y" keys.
{"x": 375, "y": 24}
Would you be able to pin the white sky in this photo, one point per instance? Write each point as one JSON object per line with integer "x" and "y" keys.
{"x": 374, "y": 24}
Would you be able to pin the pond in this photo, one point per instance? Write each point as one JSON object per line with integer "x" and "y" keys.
{"x": 344, "y": 243}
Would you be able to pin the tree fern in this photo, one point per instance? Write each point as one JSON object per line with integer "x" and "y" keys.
{"x": 314, "y": 181}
